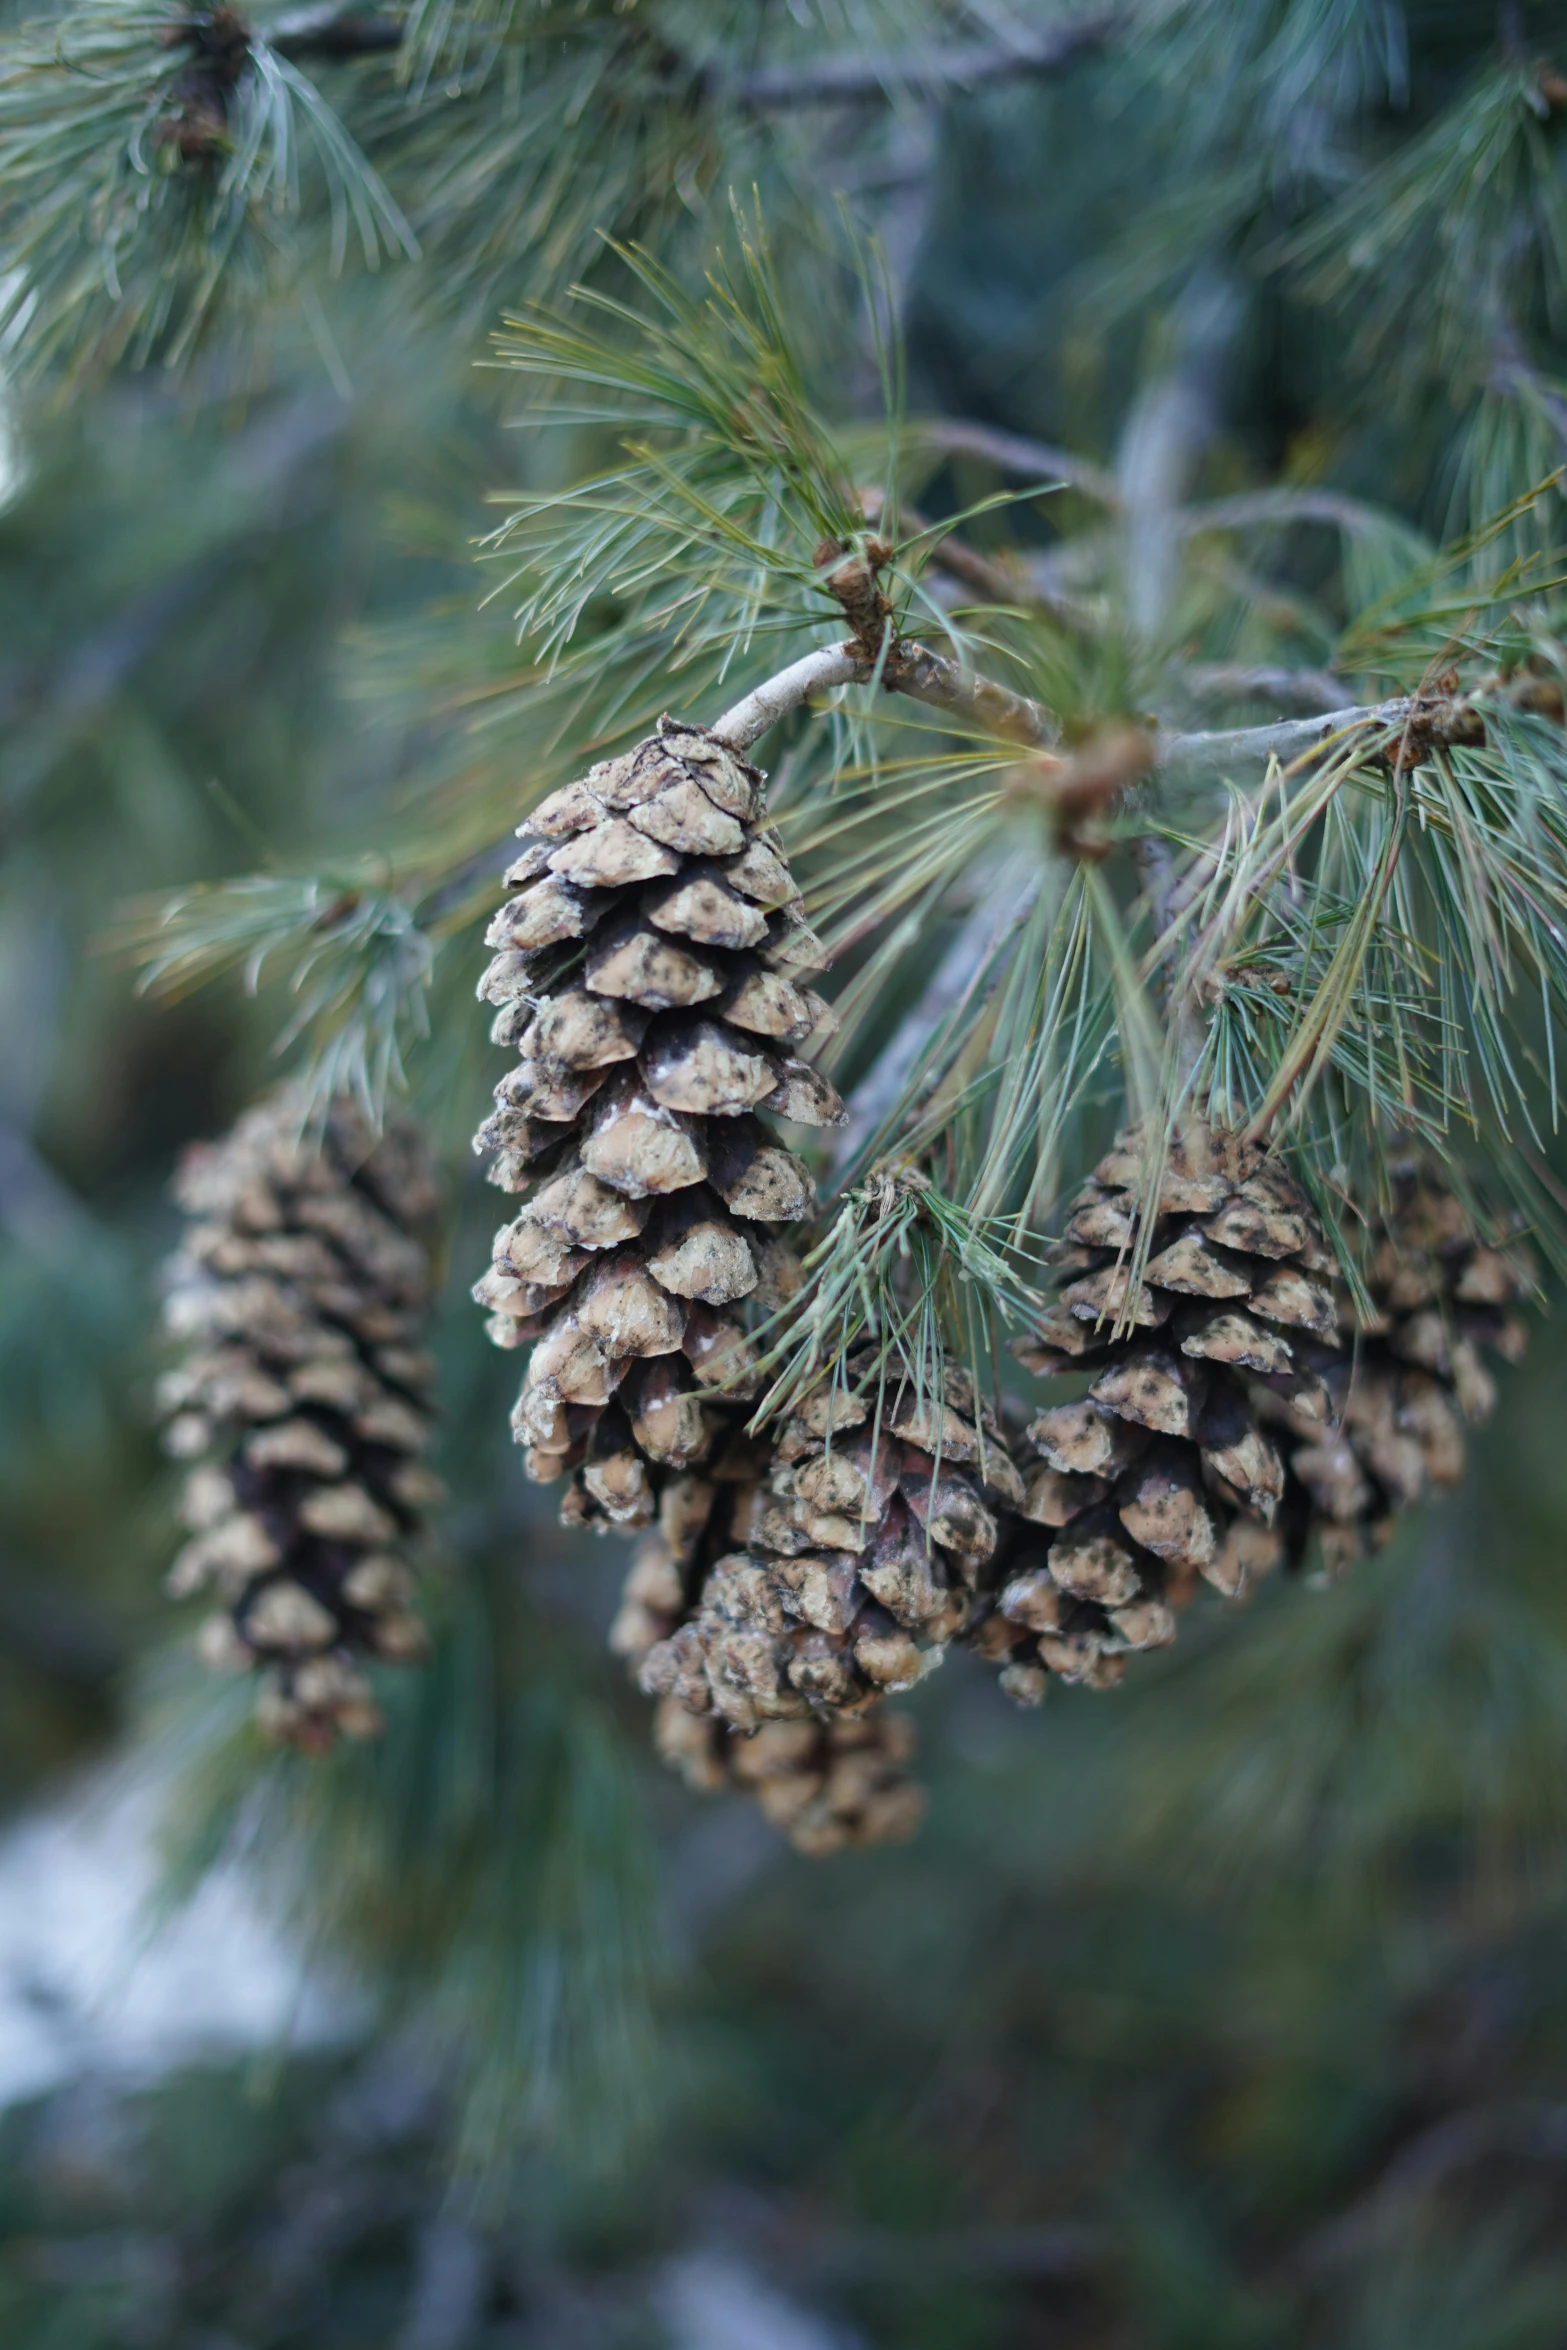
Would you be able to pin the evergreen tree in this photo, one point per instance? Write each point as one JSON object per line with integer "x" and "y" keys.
{"x": 1025, "y": 652}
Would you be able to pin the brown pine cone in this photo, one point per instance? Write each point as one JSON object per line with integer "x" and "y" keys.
{"x": 826, "y": 1784}
{"x": 1166, "y": 1471}
{"x": 702, "y": 1513}
{"x": 863, "y": 1554}
{"x": 1411, "y": 1381}
{"x": 644, "y": 972}
{"x": 298, "y": 1292}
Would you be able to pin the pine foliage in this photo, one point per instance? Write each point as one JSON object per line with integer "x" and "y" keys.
{"x": 1133, "y": 596}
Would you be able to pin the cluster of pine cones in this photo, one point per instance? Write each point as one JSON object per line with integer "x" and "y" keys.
{"x": 1236, "y": 1418}
{"x": 649, "y": 972}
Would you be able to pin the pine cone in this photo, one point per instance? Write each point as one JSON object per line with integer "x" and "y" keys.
{"x": 644, "y": 972}
{"x": 862, "y": 1557}
{"x": 1416, "y": 1378}
{"x": 1166, "y": 1470}
{"x": 298, "y": 1291}
{"x": 826, "y": 1784}
{"x": 702, "y": 1513}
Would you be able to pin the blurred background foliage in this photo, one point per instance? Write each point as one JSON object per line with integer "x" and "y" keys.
{"x": 1225, "y": 2011}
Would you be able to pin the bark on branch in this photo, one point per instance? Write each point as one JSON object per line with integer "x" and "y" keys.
{"x": 913, "y": 670}
{"x": 814, "y": 673}
{"x": 1403, "y": 728}
{"x": 943, "y": 684}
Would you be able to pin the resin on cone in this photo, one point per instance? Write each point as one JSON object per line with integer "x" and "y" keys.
{"x": 1197, "y": 1299}
{"x": 648, "y": 971}
{"x": 826, "y": 1784}
{"x": 298, "y": 1294}
{"x": 864, "y": 1551}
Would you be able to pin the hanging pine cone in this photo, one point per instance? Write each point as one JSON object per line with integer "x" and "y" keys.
{"x": 643, "y": 973}
{"x": 298, "y": 1292}
{"x": 1409, "y": 1382}
{"x": 863, "y": 1553}
{"x": 702, "y": 1513}
{"x": 826, "y": 1784}
{"x": 1166, "y": 1471}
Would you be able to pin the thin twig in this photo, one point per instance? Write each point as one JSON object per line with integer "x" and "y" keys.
{"x": 1056, "y": 569}
{"x": 813, "y": 673}
{"x": 1171, "y": 424}
{"x": 332, "y": 31}
{"x": 992, "y": 582}
{"x": 1250, "y": 508}
{"x": 37, "y": 1210}
{"x": 1416, "y": 722}
{"x": 1410, "y": 725}
{"x": 1067, "y": 2249}
{"x": 1287, "y": 741}
{"x": 948, "y": 71}
{"x": 1166, "y": 434}
{"x": 944, "y": 71}
{"x": 911, "y": 669}
{"x": 943, "y": 684}
{"x": 1312, "y": 690}
{"x": 1016, "y": 454}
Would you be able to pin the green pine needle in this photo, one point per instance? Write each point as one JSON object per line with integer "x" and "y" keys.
{"x": 355, "y": 959}
{"x": 911, "y": 1276}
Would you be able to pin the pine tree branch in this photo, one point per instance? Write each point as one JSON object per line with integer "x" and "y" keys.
{"x": 1407, "y": 726}
{"x": 1313, "y": 690}
{"x": 1287, "y": 740}
{"x": 1249, "y": 508}
{"x": 991, "y": 582}
{"x": 939, "y": 72}
{"x": 1019, "y": 455}
{"x": 942, "y": 684}
{"x": 1530, "y": 2129}
{"x": 907, "y": 668}
{"x": 331, "y": 31}
{"x": 38, "y": 1211}
{"x": 1168, "y": 429}
{"x": 988, "y": 581}
{"x": 1015, "y": 453}
{"x": 813, "y": 673}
